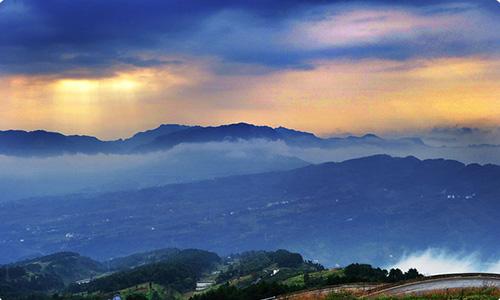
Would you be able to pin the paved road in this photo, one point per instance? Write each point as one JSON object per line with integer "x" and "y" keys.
{"x": 434, "y": 283}
{"x": 441, "y": 284}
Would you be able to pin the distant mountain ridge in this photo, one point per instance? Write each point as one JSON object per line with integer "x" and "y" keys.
{"x": 44, "y": 143}
{"x": 149, "y": 136}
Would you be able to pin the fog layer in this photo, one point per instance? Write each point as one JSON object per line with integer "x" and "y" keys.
{"x": 28, "y": 177}
{"x": 439, "y": 261}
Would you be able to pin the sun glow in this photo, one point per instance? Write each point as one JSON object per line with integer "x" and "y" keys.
{"x": 123, "y": 84}
{"x": 363, "y": 95}
{"x": 77, "y": 85}
{"x": 82, "y": 86}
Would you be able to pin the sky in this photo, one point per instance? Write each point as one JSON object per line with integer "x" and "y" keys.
{"x": 111, "y": 68}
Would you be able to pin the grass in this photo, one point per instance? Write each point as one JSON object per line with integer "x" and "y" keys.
{"x": 455, "y": 294}
{"x": 341, "y": 296}
{"x": 299, "y": 279}
{"x": 144, "y": 290}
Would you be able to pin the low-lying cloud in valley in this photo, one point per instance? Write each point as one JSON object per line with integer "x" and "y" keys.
{"x": 196, "y": 161}
{"x": 107, "y": 172}
{"x": 438, "y": 261}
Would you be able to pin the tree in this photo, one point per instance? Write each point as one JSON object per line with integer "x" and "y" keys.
{"x": 412, "y": 274}
{"x": 365, "y": 272}
{"x": 395, "y": 275}
{"x": 287, "y": 259}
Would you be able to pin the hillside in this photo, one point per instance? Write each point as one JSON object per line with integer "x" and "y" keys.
{"x": 141, "y": 259}
{"x": 372, "y": 209}
{"x": 170, "y": 272}
{"x": 179, "y": 271}
{"x": 67, "y": 266}
{"x": 49, "y": 273}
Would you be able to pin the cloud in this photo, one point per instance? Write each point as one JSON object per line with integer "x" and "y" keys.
{"x": 397, "y": 32}
{"x": 360, "y": 27}
{"x": 438, "y": 261}
{"x": 40, "y": 37}
{"x": 462, "y": 136}
{"x": 493, "y": 268}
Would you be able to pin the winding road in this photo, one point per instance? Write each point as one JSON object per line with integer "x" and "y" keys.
{"x": 422, "y": 286}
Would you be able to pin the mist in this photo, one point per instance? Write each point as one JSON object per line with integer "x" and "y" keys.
{"x": 30, "y": 177}
{"x": 434, "y": 261}
{"x": 467, "y": 155}
{"x": 456, "y": 136}
{"x": 22, "y": 177}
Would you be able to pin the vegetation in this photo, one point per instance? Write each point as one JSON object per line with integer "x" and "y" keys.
{"x": 366, "y": 273}
{"x": 180, "y": 272}
{"x": 16, "y": 279}
{"x": 68, "y": 266}
{"x": 350, "y": 274}
{"x": 248, "y": 268}
{"x": 38, "y": 278}
{"x": 320, "y": 278}
{"x": 340, "y": 296}
{"x": 172, "y": 274}
{"x": 46, "y": 274}
{"x": 311, "y": 279}
{"x": 139, "y": 259}
{"x": 169, "y": 271}
{"x": 254, "y": 292}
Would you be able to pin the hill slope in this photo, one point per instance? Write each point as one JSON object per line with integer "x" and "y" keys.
{"x": 68, "y": 266}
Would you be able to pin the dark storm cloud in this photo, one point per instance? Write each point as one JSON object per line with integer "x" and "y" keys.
{"x": 96, "y": 36}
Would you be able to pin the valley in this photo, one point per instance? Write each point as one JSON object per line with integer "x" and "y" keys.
{"x": 331, "y": 212}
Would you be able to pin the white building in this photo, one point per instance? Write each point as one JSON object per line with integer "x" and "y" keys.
{"x": 203, "y": 285}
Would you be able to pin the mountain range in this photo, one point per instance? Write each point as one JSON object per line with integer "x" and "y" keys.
{"x": 371, "y": 209}
{"x": 44, "y": 143}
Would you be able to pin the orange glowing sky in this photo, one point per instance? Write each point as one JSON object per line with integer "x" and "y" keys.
{"x": 332, "y": 94}
{"x": 336, "y": 96}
